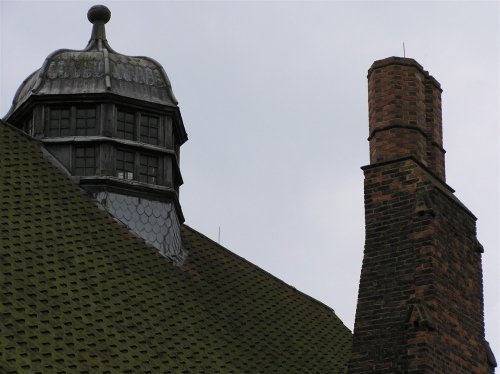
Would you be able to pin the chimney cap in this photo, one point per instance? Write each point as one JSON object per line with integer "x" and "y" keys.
{"x": 403, "y": 61}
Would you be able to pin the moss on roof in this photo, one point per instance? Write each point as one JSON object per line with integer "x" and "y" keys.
{"x": 80, "y": 294}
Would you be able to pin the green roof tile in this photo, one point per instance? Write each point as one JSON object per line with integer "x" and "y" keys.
{"x": 79, "y": 293}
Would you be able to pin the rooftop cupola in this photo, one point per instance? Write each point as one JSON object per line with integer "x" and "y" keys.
{"x": 97, "y": 69}
{"x": 113, "y": 123}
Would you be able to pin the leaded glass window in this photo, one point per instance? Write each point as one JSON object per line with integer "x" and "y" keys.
{"x": 85, "y": 121}
{"x": 59, "y": 122}
{"x": 85, "y": 160}
{"x": 125, "y": 125}
{"x": 149, "y": 129}
{"x": 125, "y": 164}
{"x": 148, "y": 171}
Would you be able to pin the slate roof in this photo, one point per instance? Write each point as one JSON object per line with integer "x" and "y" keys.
{"x": 80, "y": 294}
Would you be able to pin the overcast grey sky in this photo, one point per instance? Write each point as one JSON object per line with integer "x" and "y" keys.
{"x": 274, "y": 100}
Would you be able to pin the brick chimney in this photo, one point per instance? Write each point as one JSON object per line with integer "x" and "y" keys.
{"x": 405, "y": 114}
{"x": 420, "y": 301}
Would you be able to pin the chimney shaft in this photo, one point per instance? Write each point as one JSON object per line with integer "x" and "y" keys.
{"x": 420, "y": 300}
{"x": 405, "y": 114}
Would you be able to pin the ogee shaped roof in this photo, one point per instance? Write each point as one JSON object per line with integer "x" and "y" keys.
{"x": 97, "y": 69}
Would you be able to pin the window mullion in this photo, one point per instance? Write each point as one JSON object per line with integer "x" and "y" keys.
{"x": 137, "y": 165}
{"x": 137, "y": 127}
{"x": 72, "y": 120}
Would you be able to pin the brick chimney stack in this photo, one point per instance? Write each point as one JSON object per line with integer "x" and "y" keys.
{"x": 420, "y": 300}
{"x": 405, "y": 114}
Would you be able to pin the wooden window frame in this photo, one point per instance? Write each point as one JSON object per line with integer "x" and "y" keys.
{"x": 122, "y": 171}
{"x": 88, "y": 164}
{"x": 148, "y": 168}
{"x": 54, "y": 124}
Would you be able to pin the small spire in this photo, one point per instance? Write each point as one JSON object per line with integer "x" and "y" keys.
{"x": 98, "y": 15}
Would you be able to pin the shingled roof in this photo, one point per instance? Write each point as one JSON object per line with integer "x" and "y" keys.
{"x": 80, "y": 294}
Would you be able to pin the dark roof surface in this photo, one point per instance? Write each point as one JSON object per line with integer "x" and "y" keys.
{"x": 97, "y": 69}
{"x": 80, "y": 293}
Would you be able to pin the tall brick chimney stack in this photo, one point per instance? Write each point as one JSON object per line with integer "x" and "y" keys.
{"x": 405, "y": 114}
{"x": 420, "y": 301}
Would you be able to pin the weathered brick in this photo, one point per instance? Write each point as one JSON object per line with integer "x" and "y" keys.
{"x": 420, "y": 301}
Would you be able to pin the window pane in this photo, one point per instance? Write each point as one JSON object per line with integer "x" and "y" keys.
{"x": 58, "y": 122}
{"x": 148, "y": 171}
{"x": 125, "y": 126}
{"x": 125, "y": 164}
{"x": 129, "y": 157}
{"x": 149, "y": 129}
{"x": 86, "y": 121}
{"x": 85, "y": 161}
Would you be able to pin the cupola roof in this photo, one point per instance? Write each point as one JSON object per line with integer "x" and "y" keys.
{"x": 97, "y": 69}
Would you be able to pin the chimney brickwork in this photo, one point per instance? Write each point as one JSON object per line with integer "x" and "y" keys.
{"x": 420, "y": 301}
{"x": 405, "y": 113}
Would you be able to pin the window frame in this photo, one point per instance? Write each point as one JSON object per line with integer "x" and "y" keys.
{"x": 142, "y": 127}
{"x": 56, "y": 131}
{"x": 130, "y": 172}
{"x": 145, "y": 127}
{"x": 147, "y": 177}
{"x": 71, "y": 129}
{"x": 88, "y": 131}
{"x": 143, "y": 167}
{"x": 118, "y": 131}
{"x": 85, "y": 167}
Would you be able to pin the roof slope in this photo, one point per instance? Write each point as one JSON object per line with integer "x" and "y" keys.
{"x": 80, "y": 293}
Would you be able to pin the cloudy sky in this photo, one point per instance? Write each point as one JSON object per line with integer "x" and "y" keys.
{"x": 274, "y": 99}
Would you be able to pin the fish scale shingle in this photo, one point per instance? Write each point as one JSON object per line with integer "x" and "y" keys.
{"x": 80, "y": 294}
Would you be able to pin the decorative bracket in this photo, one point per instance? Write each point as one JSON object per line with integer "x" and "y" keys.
{"x": 424, "y": 204}
{"x": 419, "y": 317}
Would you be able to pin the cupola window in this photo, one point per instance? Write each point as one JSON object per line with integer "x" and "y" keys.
{"x": 138, "y": 126}
{"x": 149, "y": 129}
{"x": 71, "y": 121}
{"x": 85, "y": 160}
{"x": 27, "y": 124}
{"x": 125, "y": 125}
{"x": 59, "y": 123}
{"x": 148, "y": 172}
{"x": 125, "y": 164}
{"x": 85, "y": 121}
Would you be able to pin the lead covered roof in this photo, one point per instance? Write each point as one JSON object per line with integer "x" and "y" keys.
{"x": 97, "y": 69}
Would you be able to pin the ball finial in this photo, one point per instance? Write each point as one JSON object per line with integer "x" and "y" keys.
{"x": 99, "y": 13}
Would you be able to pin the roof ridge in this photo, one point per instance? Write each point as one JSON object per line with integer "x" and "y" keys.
{"x": 322, "y": 304}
